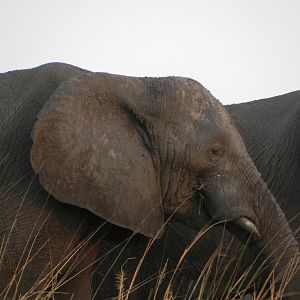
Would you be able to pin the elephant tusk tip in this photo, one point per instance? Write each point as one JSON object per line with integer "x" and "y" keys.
{"x": 247, "y": 225}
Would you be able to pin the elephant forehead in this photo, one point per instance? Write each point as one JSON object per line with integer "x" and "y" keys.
{"x": 199, "y": 105}
{"x": 204, "y": 121}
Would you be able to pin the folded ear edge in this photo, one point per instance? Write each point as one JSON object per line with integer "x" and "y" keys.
{"x": 51, "y": 159}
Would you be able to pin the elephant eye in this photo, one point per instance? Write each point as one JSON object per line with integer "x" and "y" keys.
{"x": 217, "y": 150}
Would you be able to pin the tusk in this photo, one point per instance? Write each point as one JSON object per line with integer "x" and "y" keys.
{"x": 247, "y": 225}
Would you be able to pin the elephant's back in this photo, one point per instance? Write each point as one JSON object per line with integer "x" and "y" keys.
{"x": 22, "y": 95}
{"x": 31, "y": 86}
{"x": 266, "y": 115}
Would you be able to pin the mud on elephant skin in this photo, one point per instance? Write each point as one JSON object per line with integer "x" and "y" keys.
{"x": 82, "y": 149}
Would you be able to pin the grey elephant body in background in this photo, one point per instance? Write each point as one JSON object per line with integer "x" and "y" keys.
{"x": 271, "y": 131}
{"x": 85, "y": 154}
{"x": 35, "y": 229}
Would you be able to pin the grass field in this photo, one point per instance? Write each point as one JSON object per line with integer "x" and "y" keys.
{"x": 125, "y": 285}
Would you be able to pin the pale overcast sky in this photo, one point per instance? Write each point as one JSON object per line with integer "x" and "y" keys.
{"x": 240, "y": 50}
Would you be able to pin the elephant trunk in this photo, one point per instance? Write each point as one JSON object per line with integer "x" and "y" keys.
{"x": 277, "y": 246}
{"x": 244, "y": 200}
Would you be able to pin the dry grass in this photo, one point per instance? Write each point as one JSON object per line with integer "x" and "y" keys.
{"x": 202, "y": 288}
{"x": 125, "y": 285}
{"x": 205, "y": 287}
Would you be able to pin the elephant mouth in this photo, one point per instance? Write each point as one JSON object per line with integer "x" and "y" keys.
{"x": 235, "y": 218}
{"x": 224, "y": 204}
{"x": 241, "y": 223}
{"x": 246, "y": 224}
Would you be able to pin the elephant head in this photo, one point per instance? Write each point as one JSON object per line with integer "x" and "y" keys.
{"x": 134, "y": 150}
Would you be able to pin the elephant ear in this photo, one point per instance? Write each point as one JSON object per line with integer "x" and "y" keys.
{"x": 88, "y": 152}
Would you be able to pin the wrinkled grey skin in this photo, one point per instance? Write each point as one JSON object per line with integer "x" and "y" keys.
{"x": 270, "y": 129}
{"x": 81, "y": 148}
{"x": 274, "y": 146}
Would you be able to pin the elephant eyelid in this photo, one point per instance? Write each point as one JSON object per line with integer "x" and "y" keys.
{"x": 217, "y": 149}
{"x": 215, "y": 152}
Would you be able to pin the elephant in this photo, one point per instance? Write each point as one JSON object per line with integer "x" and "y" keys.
{"x": 90, "y": 158}
{"x": 270, "y": 130}
{"x": 262, "y": 124}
